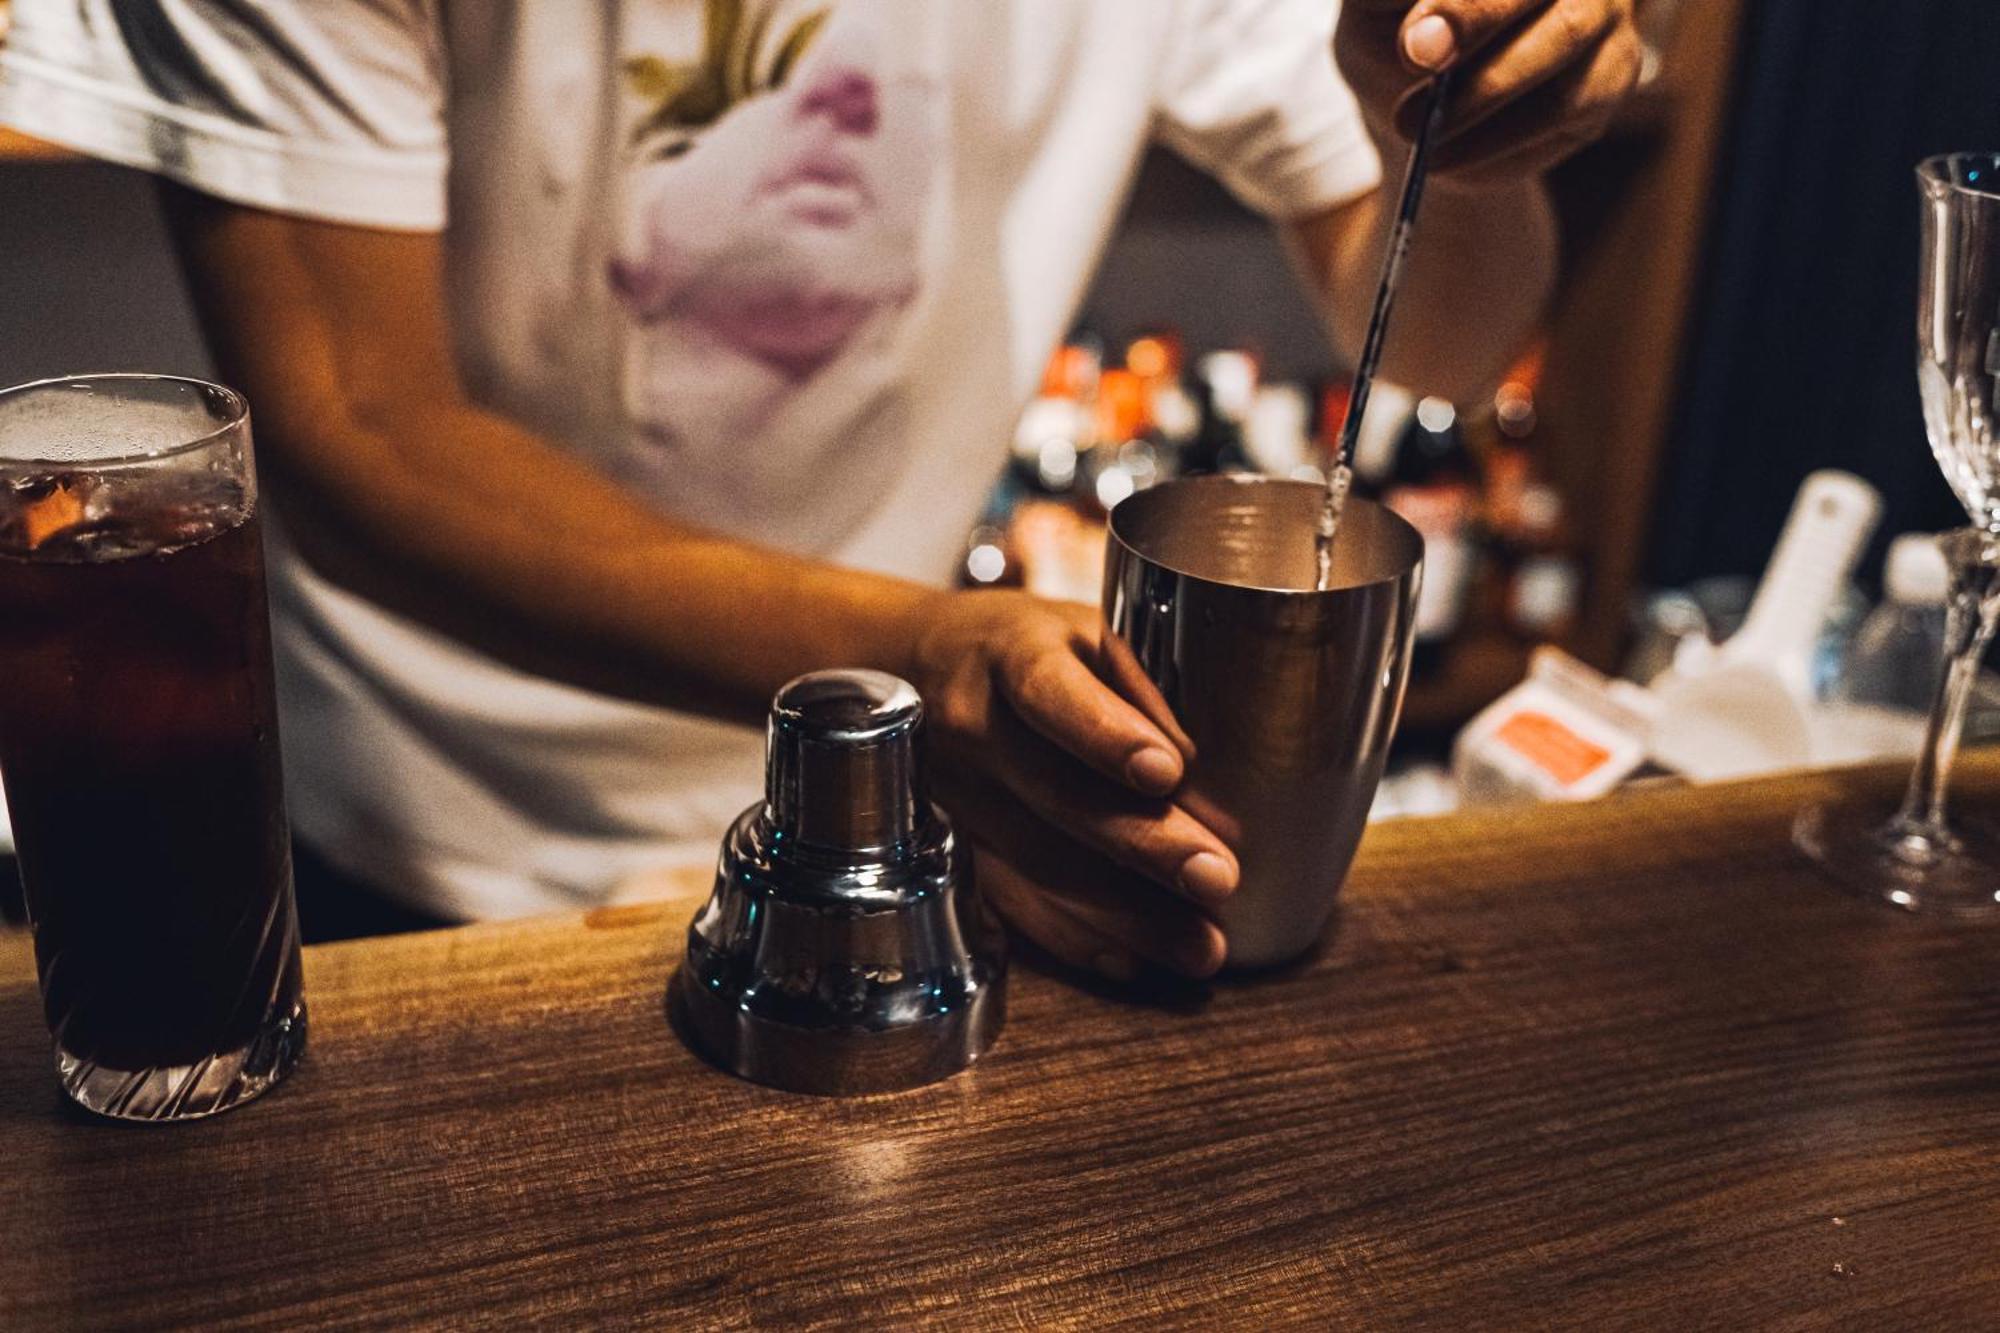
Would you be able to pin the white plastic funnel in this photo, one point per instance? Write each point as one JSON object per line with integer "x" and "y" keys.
{"x": 1750, "y": 711}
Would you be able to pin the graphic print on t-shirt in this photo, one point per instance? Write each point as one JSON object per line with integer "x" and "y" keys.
{"x": 769, "y": 256}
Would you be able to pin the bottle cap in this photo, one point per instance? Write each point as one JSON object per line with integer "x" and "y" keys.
{"x": 1916, "y": 574}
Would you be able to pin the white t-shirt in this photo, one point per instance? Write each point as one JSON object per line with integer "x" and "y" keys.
{"x": 790, "y": 277}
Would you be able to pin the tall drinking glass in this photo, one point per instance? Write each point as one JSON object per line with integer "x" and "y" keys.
{"x": 1915, "y": 859}
{"x": 139, "y": 743}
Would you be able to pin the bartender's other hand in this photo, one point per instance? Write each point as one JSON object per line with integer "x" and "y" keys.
{"x": 1064, "y": 785}
{"x": 1537, "y": 79}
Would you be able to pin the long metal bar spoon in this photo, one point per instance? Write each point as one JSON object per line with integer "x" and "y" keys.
{"x": 1340, "y": 480}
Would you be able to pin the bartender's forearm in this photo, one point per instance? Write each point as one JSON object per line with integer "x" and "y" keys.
{"x": 391, "y": 483}
{"x": 1479, "y": 275}
{"x": 489, "y": 534}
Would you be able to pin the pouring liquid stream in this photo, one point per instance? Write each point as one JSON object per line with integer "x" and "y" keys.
{"x": 1337, "y": 487}
{"x": 1340, "y": 478}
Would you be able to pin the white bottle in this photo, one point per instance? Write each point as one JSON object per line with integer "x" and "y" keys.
{"x": 1899, "y": 649}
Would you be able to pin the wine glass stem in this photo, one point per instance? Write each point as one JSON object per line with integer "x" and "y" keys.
{"x": 1970, "y": 620}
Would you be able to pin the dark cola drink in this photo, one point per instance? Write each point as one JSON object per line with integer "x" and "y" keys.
{"x": 139, "y": 748}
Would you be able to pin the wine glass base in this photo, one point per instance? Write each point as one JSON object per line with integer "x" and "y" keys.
{"x": 1866, "y": 850}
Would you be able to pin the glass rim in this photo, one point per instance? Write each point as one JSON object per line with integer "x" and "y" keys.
{"x": 1122, "y": 538}
{"x": 238, "y": 415}
{"x": 1935, "y": 175}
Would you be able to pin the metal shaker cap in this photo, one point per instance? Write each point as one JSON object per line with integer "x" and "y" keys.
{"x": 844, "y": 766}
{"x": 845, "y": 948}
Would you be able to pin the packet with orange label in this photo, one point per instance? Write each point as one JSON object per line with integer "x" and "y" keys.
{"x": 1566, "y": 733}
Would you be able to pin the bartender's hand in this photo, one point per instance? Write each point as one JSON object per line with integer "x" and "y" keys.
{"x": 1538, "y": 78}
{"x": 1064, "y": 787}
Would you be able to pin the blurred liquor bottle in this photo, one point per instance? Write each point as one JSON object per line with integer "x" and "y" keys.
{"x": 1050, "y": 439}
{"x": 1043, "y": 528}
{"x": 1277, "y": 438}
{"x": 1434, "y": 482}
{"x": 1058, "y": 425}
{"x": 1410, "y": 456}
{"x": 1390, "y": 407}
{"x": 1536, "y": 581}
{"x": 1122, "y": 457}
{"x": 1225, "y": 390}
{"x": 1159, "y": 359}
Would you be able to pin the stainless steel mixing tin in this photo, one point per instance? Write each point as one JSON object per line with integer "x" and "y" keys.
{"x": 1288, "y": 696}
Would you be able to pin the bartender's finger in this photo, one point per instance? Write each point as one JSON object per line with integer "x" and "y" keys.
{"x": 1130, "y": 913}
{"x": 1154, "y": 837}
{"x": 1563, "y": 39}
{"x": 1053, "y": 690}
{"x": 1119, "y": 666}
{"x": 1438, "y": 34}
{"x": 1036, "y": 915}
{"x": 1551, "y": 122}
{"x": 1129, "y": 910}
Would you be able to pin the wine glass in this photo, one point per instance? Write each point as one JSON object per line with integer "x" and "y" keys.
{"x": 1916, "y": 860}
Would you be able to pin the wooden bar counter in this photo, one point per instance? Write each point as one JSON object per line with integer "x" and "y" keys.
{"x": 1629, "y": 1064}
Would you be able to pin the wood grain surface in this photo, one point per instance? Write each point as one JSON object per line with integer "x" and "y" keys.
{"x": 1626, "y": 1065}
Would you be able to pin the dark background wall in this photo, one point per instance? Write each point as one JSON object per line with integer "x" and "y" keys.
{"x": 86, "y": 281}
{"x": 1190, "y": 257}
{"x": 1804, "y": 350}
